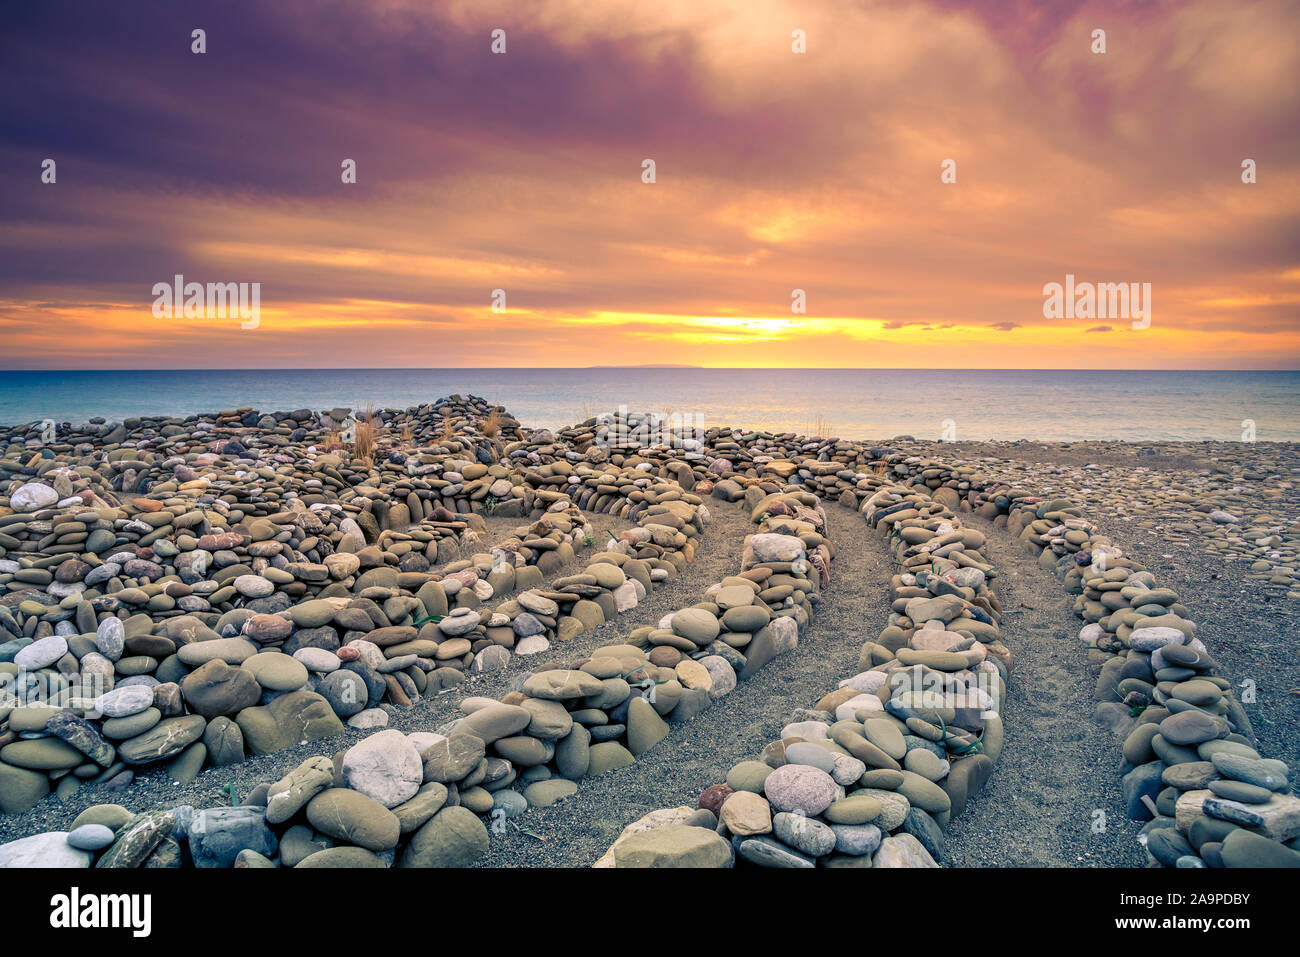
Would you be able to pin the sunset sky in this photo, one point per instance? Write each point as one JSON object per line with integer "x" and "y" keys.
{"x": 775, "y": 171}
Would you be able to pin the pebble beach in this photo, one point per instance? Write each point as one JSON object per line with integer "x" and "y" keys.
{"x": 440, "y": 636}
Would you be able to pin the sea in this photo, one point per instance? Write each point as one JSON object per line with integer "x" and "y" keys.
{"x": 953, "y": 404}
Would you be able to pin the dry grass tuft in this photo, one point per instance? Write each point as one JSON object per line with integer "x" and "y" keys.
{"x": 492, "y": 424}
{"x": 448, "y": 429}
{"x": 332, "y": 441}
{"x": 819, "y": 428}
{"x": 367, "y": 433}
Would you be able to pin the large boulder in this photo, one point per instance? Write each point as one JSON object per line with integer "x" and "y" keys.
{"x": 350, "y": 816}
{"x": 384, "y": 766}
{"x": 294, "y": 718}
{"x": 454, "y": 837}
{"x": 215, "y": 689}
{"x": 166, "y": 739}
{"x": 218, "y": 834}
{"x": 43, "y": 850}
{"x": 676, "y": 845}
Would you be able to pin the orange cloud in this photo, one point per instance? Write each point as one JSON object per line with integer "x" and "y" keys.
{"x": 775, "y": 172}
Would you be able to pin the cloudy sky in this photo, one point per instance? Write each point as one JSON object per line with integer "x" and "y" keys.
{"x": 775, "y": 171}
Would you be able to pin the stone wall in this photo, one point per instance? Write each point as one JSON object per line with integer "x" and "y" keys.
{"x": 872, "y": 773}
{"x": 1186, "y": 751}
{"x": 229, "y": 584}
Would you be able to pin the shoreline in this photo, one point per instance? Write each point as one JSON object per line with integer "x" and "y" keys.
{"x": 864, "y": 405}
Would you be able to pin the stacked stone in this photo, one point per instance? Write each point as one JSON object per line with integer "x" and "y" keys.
{"x": 732, "y": 454}
{"x": 873, "y": 773}
{"x": 252, "y": 583}
{"x": 421, "y": 488}
{"x": 562, "y": 725}
{"x": 740, "y": 456}
{"x": 747, "y": 619}
{"x": 1189, "y": 765}
{"x": 614, "y": 581}
{"x": 244, "y": 670}
{"x": 113, "y": 459}
{"x": 1234, "y": 502}
{"x": 415, "y": 800}
{"x": 302, "y": 582}
{"x": 1190, "y": 768}
{"x": 377, "y": 804}
{"x": 118, "y": 592}
{"x": 625, "y": 432}
{"x": 60, "y": 530}
{"x": 202, "y": 552}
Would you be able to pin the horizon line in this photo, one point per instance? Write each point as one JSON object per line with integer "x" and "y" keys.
{"x": 638, "y": 366}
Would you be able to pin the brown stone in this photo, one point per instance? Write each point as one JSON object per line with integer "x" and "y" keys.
{"x": 216, "y": 688}
{"x": 713, "y": 797}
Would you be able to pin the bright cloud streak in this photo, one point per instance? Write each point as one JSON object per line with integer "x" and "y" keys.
{"x": 775, "y": 172}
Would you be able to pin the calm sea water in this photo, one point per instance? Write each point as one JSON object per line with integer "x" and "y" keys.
{"x": 852, "y": 403}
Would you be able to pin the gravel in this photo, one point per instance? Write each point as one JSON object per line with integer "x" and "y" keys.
{"x": 152, "y": 789}
{"x": 1058, "y": 766}
{"x": 579, "y": 829}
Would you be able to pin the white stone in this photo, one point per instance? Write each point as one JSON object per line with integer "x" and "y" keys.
{"x": 808, "y": 730}
{"x": 1091, "y": 633}
{"x": 902, "y": 850}
{"x": 42, "y": 653}
{"x": 863, "y": 702}
{"x": 368, "y": 652}
{"x": 531, "y": 645}
{"x": 124, "y": 701}
{"x": 254, "y": 586}
{"x": 385, "y": 766}
{"x": 868, "y": 682}
{"x": 110, "y": 638}
{"x": 318, "y": 660}
{"x": 784, "y": 633}
{"x": 455, "y": 625}
{"x": 33, "y": 497}
{"x": 723, "y": 675}
{"x": 1149, "y": 639}
{"x": 847, "y": 769}
{"x": 625, "y": 596}
{"x": 50, "y": 849}
{"x": 491, "y": 658}
{"x": 773, "y": 547}
{"x": 370, "y": 718}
